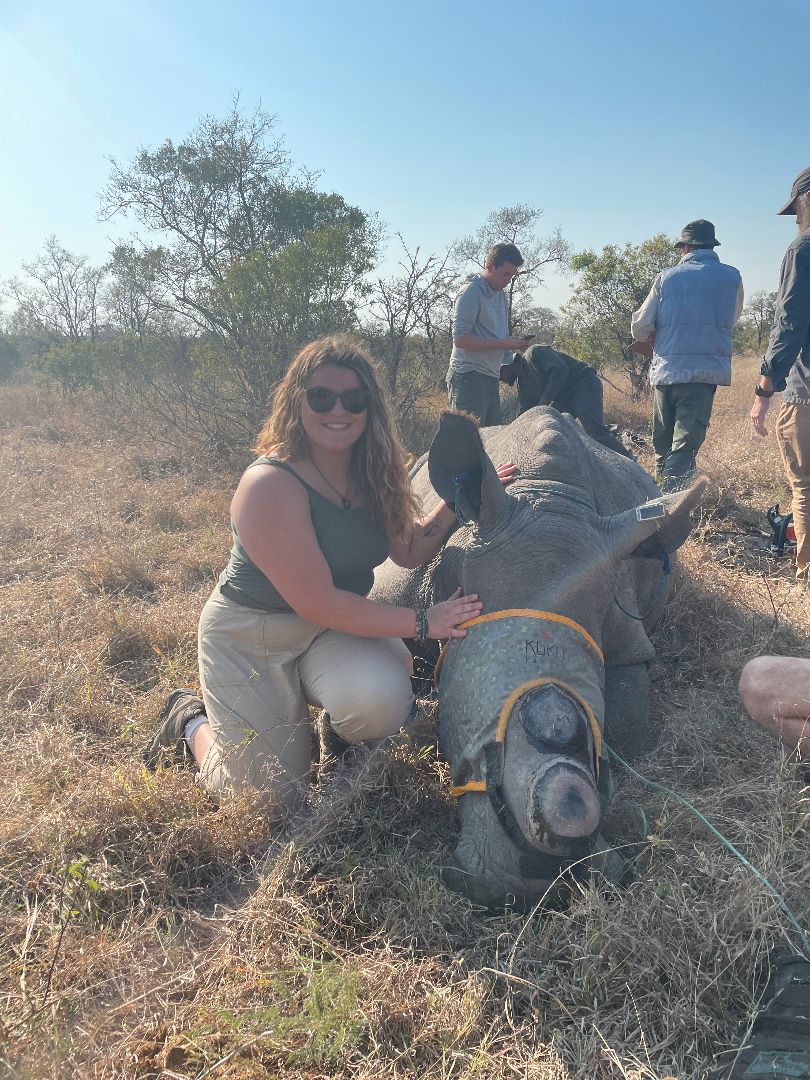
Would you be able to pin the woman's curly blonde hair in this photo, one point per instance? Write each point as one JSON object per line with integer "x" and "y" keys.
{"x": 377, "y": 467}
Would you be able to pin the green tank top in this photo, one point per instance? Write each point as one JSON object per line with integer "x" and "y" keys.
{"x": 350, "y": 541}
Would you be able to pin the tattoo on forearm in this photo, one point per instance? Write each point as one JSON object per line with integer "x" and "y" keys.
{"x": 432, "y": 528}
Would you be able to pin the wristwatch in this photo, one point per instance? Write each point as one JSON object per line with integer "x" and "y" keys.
{"x": 763, "y": 393}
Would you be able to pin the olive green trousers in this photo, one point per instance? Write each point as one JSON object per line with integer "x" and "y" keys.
{"x": 477, "y": 394}
{"x": 680, "y": 418}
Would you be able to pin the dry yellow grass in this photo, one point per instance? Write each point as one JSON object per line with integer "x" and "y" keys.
{"x": 144, "y": 932}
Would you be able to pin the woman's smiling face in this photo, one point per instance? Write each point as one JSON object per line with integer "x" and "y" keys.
{"x": 338, "y": 430}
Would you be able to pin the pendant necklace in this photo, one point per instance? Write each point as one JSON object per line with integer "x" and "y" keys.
{"x": 344, "y": 500}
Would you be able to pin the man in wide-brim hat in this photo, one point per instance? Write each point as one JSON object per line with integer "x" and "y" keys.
{"x": 786, "y": 368}
{"x": 688, "y": 317}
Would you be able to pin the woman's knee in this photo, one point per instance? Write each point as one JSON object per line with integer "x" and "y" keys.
{"x": 374, "y": 711}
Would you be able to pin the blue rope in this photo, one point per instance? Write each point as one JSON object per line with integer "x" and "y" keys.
{"x": 803, "y": 934}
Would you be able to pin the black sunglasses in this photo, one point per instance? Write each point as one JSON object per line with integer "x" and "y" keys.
{"x": 322, "y": 400}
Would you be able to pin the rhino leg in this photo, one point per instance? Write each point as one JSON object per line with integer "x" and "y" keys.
{"x": 627, "y": 710}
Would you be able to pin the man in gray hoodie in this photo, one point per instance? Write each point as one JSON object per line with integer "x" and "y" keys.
{"x": 481, "y": 340}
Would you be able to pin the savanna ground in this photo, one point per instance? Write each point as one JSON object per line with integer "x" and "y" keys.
{"x": 146, "y": 932}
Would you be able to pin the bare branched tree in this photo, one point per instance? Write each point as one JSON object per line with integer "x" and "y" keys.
{"x": 134, "y": 300}
{"x": 407, "y": 315}
{"x": 60, "y": 299}
{"x": 516, "y": 225}
{"x": 756, "y": 321}
{"x": 610, "y": 286}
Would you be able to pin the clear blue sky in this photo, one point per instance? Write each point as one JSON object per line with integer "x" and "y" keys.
{"x": 620, "y": 118}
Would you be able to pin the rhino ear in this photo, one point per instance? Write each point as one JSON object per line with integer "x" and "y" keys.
{"x": 462, "y": 474}
{"x": 658, "y": 526}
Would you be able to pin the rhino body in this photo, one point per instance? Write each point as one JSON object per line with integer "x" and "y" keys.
{"x": 572, "y": 578}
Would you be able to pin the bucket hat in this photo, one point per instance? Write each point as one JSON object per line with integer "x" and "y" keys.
{"x": 699, "y": 232}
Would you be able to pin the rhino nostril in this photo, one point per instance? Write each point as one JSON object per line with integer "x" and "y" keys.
{"x": 563, "y": 802}
{"x": 572, "y": 806}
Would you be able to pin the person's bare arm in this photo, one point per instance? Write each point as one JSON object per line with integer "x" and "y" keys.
{"x": 759, "y": 410}
{"x": 270, "y": 511}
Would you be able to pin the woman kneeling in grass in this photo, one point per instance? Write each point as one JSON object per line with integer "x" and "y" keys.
{"x": 289, "y": 624}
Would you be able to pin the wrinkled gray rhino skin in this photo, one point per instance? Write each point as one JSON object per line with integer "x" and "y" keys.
{"x": 564, "y": 538}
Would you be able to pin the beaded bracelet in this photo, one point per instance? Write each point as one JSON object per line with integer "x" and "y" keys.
{"x": 421, "y": 624}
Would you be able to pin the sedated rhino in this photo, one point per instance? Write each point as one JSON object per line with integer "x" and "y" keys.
{"x": 571, "y": 564}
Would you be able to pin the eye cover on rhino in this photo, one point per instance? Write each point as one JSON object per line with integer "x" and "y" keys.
{"x": 568, "y": 736}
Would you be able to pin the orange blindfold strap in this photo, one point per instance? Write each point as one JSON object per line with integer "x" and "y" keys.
{"x": 523, "y": 613}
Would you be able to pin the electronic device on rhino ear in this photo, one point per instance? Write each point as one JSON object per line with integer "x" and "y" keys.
{"x": 650, "y": 511}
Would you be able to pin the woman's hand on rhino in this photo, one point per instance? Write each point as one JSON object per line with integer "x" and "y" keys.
{"x": 444, "y": 618}
{"x": 507, "y": 472}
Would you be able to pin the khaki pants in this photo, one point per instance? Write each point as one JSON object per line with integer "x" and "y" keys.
{"x": 793, "y": 436}
{"x": 259, "y": 671}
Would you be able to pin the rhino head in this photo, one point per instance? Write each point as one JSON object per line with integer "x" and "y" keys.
{"x": 522, "y": 696}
